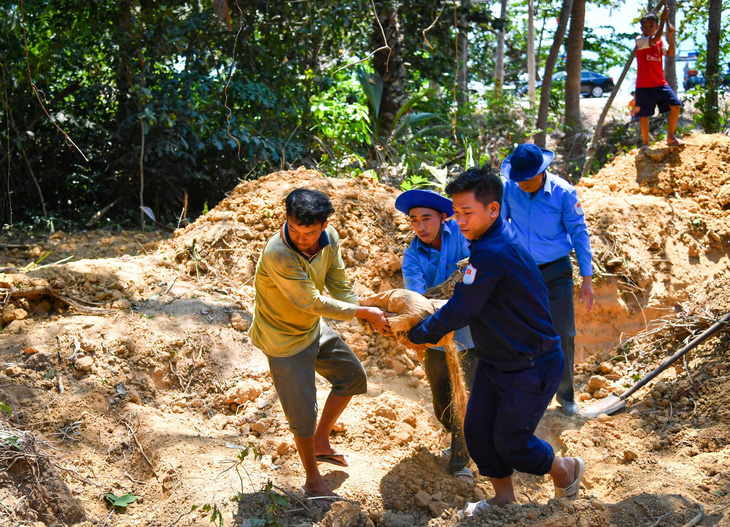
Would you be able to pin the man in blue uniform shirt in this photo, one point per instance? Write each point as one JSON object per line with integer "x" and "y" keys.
{"x": 547, "y": 215}
{"x": 427, "y": 262}
{"x": 504, "y": 300}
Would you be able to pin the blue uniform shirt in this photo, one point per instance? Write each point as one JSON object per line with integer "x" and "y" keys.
{"x": 425, "y": 267}
{"x": 551, "y": 223}
{"x": 506, "y": 305}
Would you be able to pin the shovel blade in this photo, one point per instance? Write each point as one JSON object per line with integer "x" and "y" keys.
{"x": 609, "y": 405}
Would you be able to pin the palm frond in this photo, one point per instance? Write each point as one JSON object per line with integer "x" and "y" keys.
{"x": 407, "y": 122}
{"x": 372, "y": 85}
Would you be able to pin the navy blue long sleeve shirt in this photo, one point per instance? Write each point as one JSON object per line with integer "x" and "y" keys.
{"x": 505, "y": 302}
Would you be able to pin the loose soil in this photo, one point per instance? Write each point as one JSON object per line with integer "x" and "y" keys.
{"x": 127, "y": 369}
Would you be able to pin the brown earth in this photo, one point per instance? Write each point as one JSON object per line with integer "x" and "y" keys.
{"x": 129, "y": 371}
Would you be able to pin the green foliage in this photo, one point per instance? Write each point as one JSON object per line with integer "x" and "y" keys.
{"x": 215, "y": 513}
{"x": 416, "y": 181}
{"x": 214, "y": 105}
{"x": 617, "y": 138}
{"x": 694, "y": 22}
{"x": 6, "y": 408}
{"x": 720, "y": 115}
{"x": 341, "y": 119}
{"x": 610, "y": 51}
{"x": 17, "y": 442}
{"x": 273, "y": 503}
{"x": 120, "y": 501}
{"x": 504, "y": 118}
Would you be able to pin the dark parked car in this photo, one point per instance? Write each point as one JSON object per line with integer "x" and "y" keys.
{"x": 591, "y": 84}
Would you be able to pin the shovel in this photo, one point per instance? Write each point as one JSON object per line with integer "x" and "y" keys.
{"x": 613, "y": 402}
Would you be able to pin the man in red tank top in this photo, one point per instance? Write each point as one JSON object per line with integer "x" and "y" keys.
{"x": 652, "y": 90}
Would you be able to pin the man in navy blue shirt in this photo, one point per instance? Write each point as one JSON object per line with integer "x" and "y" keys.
{"x": 427, "y": 262}
{"x": 505, "y": 302}
{"x": 547, "y": 215}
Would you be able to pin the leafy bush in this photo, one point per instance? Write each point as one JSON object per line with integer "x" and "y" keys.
{"x": 341, "y": 120}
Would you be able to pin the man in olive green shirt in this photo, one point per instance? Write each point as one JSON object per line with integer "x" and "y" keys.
{"x": 295, "y": 267}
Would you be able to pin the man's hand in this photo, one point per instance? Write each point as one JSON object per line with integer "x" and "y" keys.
{"x": 377, "y": 317}
{"x": 665, "y": 15}
{"x": 670, "y": 30}
{"x": 586, "y": 292}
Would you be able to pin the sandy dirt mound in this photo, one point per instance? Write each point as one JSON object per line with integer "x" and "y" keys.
{"x": 660, "y": 230}
{"x": 161, "y": 396}
{"x": 228, "y": 240}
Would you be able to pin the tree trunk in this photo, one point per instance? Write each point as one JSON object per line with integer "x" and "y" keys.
{"x": 547, "y": 79}
{"x": 221, "y": 9}
{"x": 499, "y": 59}
{"x": 531, "y": 52}
{"x": 712, "y": 67}
{"x": 388, "y": 64}
{"x": 599, "y": 125}
{"x": 539, "y": 47}
{"x": 462, "y": 73}
{"x": 126, "y": 105}
{"x": 574, "y": 51}
{"x": 670, "y": 63}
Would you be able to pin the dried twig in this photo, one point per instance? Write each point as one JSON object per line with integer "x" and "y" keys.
{"x": 39, "y": 291}
{"x": 696, "y": 519}
{"x": 660, "y": 518}
{"x": 689, "y": 373}
{"x": 131, "y": 431}
{"x": 71, "y": 472}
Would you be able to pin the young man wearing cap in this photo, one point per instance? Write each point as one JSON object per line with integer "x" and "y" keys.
{"x": 427, "y": 262}
{"x": 505, "y": 302}
{"x": 547, "y": 215}
{"x": 296, "y": 265}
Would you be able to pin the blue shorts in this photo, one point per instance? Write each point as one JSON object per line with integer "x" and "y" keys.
{"x": 648, "y": 99}
{"x": 294, "y": 378}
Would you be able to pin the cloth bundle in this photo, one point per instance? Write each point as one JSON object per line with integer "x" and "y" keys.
{"x": 410, "y": 308}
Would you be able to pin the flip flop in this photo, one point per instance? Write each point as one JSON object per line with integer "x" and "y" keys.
{"x": 676, "y": 142}
{"x": 464, "y": 474}
{"x": 335, "y": 459}
{"x": 473, "y": 508}
{"x": 571, "y": 491}
{"x": 323, "y": 502}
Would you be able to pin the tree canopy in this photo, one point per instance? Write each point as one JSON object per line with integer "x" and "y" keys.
{"x": 110, "y": 105}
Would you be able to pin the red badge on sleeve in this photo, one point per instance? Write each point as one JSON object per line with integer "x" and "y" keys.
{"x": 578, "y": 209}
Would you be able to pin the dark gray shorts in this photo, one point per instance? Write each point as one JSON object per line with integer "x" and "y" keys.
{"x": 294, "y": 378}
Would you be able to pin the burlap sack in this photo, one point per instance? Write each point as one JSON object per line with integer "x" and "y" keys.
{"x": 410, "y": 308}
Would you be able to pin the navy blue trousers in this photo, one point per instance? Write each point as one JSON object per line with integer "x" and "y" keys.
{"x": 558, "y": 276}
{"x": 503, "y": 412}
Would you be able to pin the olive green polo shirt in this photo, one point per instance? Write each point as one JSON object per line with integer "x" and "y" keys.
{"x": 289, "y": 294}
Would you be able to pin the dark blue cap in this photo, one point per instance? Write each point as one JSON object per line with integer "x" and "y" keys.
{"x": 526, "y": 162}
{"x": 423, "y": 198}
